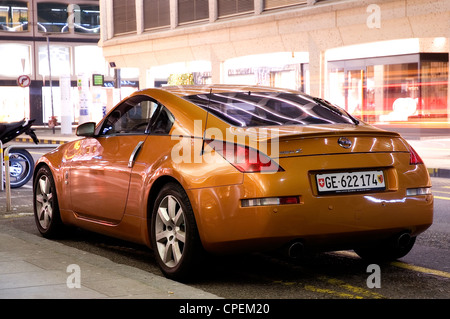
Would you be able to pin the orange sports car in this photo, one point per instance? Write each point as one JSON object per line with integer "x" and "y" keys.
{"x": 224, "y": 169}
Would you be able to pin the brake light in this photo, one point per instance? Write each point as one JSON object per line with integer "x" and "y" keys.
{"x": 244, "y": 158}
{"x": 414, "y": 158}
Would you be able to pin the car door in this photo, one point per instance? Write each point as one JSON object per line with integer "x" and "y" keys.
{"x": 101, "y": 167}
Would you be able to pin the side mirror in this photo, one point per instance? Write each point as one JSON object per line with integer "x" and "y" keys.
{"x": 86, "y": 129}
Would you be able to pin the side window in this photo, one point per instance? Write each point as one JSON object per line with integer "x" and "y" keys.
{"x": 163, "y": 122}
{"x": 131, "y": 117}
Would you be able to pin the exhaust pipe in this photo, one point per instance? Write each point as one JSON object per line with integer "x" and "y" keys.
{"x": 295, "y": 250}
{"x": 403, "y": 240}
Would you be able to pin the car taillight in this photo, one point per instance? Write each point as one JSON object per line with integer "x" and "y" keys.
{"x": 268, "y": 201}
{"x": 414, "y": 157}
{"x": 244, "y": 158}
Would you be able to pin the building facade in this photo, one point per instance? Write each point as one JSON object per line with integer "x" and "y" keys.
{"x": 40, "y": 41}
{"x": 382, "y": 60}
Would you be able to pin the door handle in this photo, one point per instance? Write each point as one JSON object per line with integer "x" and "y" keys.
{"x": 134, "y": 154}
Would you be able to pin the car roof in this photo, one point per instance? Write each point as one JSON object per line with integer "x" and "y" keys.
{"x": 186, "y": 90}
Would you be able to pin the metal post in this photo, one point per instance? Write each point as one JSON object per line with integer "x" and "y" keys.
{"x": 2, "y": 188}
{"x": 7, "y": 176}
{"x": 50, "y": 76}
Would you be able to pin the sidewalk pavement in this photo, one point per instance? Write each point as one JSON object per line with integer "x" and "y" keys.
{"x": 33, "y": 267}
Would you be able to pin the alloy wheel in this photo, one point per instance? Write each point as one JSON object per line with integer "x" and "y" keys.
{"x": 44, "y": 208}
{"x": 170, "y": 231}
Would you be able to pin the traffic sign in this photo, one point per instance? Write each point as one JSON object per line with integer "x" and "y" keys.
{"x": 24, "y": 81}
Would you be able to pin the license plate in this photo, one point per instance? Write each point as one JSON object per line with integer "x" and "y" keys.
{"x": 346, "y": 182}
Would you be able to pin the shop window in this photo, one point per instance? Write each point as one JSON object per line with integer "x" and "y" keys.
{"x": 400, "y": 91}
{"x": 59, "y": 57}
{"x": 89, "y": 59}
{"x": 14, "y": 59}
{"x": 52, "y": 17}
{"x": 156, "y": 14}
{"x": 87, "y": 19}
{"x": 14, "y": 104}
{"x": 13, "y": 16}
{"x": 192, "y": 10}
{"x": 124, "y": 16}
{"x": 274, "y": 4}
{"x": 433, "y": 90}
{"x": 392, "y": 89}
{"x": 233, "y": 7}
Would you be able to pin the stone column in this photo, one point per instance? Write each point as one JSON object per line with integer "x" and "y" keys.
{"x": 448, "y": 85}
{"x": 316, "y": 68}
{"x": 216, "y": 69}
{"x": 139, "y": 16}
{"x": 109, "y": 21}
{"x": 173, "y": 14}
{"x": 143, "y": 83}
{"x": 213, "y": 11}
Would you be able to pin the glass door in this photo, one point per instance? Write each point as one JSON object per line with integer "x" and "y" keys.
{"x": 354, "y": 97}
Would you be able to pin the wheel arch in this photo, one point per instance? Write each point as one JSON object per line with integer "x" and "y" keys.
{"x": 154, "y": 191}
{"x": 38, "y": 166}
{"x": 156, "y": 187}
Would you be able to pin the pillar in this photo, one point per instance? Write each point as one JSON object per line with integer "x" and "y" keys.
{"x": 66, "y": 105}
{"x": 217, "y": 76}
{"x": 448, "y": 84}
{"x": 317, "y": 68}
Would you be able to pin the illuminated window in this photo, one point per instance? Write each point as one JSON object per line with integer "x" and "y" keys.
{"x": 14, "y": 59}
{"x": 13, "y": 16}
{"x": 89, "y": 59}
{"x": 87, "y": 19}
{"x": 52, "y": 17}
{"x": 59, "y": 57}
{"x": 391, "y": 89}
{"x": 433, "y": 89}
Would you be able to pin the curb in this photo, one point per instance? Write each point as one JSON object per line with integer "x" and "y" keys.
{"x": 41, "y": 141}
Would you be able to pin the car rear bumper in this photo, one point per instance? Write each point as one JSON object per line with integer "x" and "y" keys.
{"x": 327, "y": 222}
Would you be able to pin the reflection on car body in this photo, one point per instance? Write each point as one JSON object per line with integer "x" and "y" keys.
{"x": 224, "y": 169}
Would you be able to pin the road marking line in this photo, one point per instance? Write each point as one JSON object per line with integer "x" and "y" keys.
{"x": 355, "y": 290}
{"x": 331, "y": 292}
{"x": 441, "y": 192}
{"x": 421, "y": 269}
{"x": 352, "y": 292}
{"x": 440, "y": 197}
{"x": 402, "y": 265}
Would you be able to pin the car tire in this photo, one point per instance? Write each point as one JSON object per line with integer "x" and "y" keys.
{"x": 22, "y": 162}
{"x": 388, "y": 250}
{"x": 174, "y": 235}
{"x": 46, "y": 208}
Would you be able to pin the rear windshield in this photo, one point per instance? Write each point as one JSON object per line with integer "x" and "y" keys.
{"x": 270, "y": 108}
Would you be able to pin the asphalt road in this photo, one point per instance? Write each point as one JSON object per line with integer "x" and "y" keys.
{"x": 424, "y": 273}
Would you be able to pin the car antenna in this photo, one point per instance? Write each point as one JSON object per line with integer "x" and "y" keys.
{"x": 206, "y": 121}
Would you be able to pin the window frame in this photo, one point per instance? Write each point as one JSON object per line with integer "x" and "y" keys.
{"x": 126, "y": 106}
